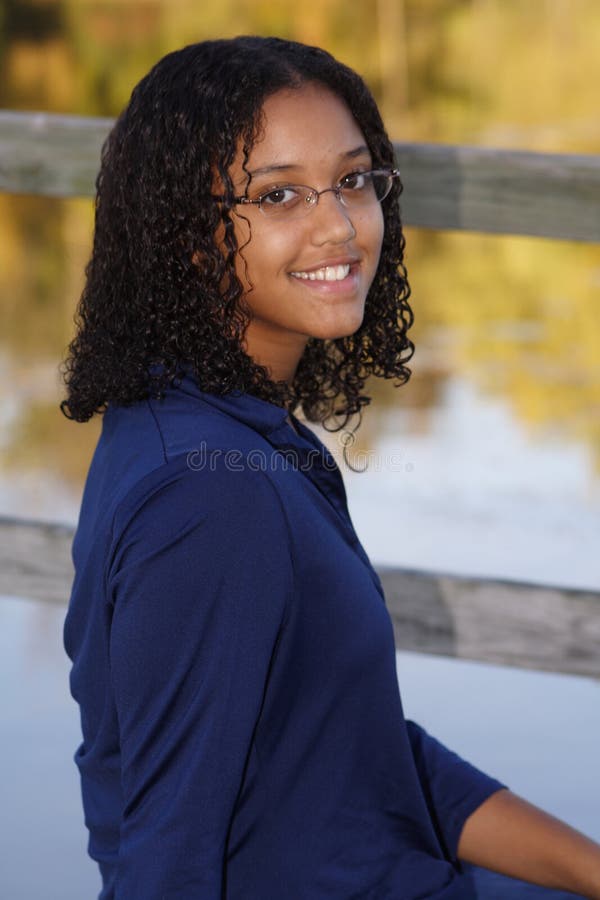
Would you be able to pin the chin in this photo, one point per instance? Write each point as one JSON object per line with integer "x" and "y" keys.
{"x": 338, "y": 327}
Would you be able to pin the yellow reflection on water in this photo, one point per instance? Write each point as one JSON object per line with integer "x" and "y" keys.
{"x": 520, "y": 316}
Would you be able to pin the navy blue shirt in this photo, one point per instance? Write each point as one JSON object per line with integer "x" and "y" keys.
{"x": 234, "y": 662}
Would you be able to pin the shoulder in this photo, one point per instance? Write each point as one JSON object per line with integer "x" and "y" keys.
{"x": 163, "y": 463}
{"x": 154, "y": 438}
{"x": 180, "y": 531}
{"x": 229, "y": 502}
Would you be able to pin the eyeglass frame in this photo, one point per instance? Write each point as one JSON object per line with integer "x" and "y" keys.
{"x": 311, "y": 204}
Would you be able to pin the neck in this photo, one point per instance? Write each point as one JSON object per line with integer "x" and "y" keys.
{"x": 279, "y": 357}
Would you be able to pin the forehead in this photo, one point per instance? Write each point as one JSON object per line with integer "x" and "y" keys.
{"x": 304, "y": 127}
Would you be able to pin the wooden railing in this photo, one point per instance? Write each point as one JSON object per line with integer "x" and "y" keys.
{"x": 446, "y": 187}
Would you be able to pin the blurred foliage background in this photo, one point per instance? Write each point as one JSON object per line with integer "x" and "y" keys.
{"x": 517, "y": 316}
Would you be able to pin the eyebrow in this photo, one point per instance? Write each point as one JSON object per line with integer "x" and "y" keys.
{"x": 265, "y": 170}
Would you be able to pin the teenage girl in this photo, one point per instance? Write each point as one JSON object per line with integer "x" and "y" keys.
{"x": 233, "y": 658}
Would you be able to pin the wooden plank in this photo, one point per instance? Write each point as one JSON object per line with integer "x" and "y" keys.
{"x": 503, "y": 622}
{"x": 501, "y": 191}
{"x": 446, "y": 187}
{"x": 50, "y": 155}
{"x": 509, "y": 623}
{"x": 35, "y": 560}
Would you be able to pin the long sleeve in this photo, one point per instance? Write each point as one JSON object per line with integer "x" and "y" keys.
{"x": 453, "y": 787}
{"x": 200, "y": 580}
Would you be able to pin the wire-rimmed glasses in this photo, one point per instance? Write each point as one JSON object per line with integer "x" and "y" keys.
{"x": 355, "y": 191}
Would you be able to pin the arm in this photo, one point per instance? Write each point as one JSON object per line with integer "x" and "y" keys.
{"x": 480, "y": 821}
{"x": 512, "y": 837}
{"x": 200, "y": 581}
{"x": 452, "y": 787}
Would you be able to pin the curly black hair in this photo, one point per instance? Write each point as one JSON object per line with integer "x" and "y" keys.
{"x": 149, "y": 311}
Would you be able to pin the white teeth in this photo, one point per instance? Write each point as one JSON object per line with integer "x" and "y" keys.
{"x": 327, "y": 273}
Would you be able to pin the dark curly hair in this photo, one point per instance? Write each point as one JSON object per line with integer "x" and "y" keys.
{"x": 149, "y": 311}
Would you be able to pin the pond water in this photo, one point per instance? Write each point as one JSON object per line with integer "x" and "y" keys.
{"x": 472, "y": 492}
{"x": 534, "y": 731}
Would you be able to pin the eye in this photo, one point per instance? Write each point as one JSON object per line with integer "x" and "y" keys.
{"x": 354, "y": 181}
{"x": 281, "y": 197}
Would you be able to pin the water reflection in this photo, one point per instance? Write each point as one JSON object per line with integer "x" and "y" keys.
{"x": 520, "y": 726}
{"x": 39, "y": 732}
{"x": 520, "y": 317}
{"x": 469, "y": 491}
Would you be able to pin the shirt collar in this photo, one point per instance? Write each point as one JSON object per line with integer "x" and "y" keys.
{"x": 263, "y": 416}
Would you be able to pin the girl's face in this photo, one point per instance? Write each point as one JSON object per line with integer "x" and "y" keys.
{"x": 310, "y": 138}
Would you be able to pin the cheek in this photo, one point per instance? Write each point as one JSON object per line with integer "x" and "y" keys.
{"x": 263, "y": 251}
{"x": 372, "y": 232}
{"x": 379, "y": 230}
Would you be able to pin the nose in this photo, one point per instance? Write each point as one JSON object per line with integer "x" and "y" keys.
{"x": 330, "y": 222}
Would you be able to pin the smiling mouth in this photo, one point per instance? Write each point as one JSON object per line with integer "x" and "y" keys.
{"x": 327, "y": 273}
